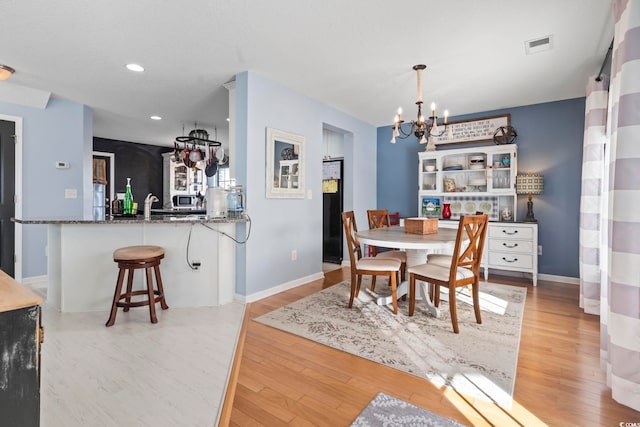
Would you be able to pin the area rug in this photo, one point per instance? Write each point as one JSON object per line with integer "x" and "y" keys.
{"x": 479, "y": 362}
{"x": 387, "y": 411}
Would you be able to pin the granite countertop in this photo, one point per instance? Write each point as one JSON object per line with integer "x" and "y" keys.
{"x": 138, "y": 219}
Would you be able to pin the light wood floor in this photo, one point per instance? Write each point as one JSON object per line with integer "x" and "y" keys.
{"x": 286, "y": 380}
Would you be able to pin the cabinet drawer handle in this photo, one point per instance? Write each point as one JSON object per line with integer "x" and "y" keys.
{"x": 507, "y": 260}
{"x": 515, "y": 245}
{"x": 510, "y": 234}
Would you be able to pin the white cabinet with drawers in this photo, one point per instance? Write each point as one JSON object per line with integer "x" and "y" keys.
{"x": 512, "y": 247}
{"x": 481, "y": 179}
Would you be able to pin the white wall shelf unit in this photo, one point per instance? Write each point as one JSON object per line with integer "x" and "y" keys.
{"x": 470, "y": 180}
{"x": 481, "y": 179}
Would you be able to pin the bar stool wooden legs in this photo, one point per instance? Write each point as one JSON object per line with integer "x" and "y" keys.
{"x": 129, "y": 259}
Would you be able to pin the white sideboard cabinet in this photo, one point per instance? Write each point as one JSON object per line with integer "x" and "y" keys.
{"x": 481, "y": 179}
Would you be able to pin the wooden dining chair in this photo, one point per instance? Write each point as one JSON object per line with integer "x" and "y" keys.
{"x": 379, "y": 218}
{"x": 464, "y": 268}
{"x": 373, "y": 266}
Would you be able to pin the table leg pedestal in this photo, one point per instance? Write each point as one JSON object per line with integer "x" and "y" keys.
{"x": 414, "y": 257}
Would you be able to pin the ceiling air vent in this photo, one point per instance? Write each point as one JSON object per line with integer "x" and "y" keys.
{"x": 538, "y": 45}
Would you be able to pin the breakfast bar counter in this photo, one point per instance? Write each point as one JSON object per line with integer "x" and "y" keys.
{"x": 82, "y": 274}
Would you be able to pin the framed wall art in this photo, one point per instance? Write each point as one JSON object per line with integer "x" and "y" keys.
{"x": 474, "y": 130}
{"x": 285, "y": 165}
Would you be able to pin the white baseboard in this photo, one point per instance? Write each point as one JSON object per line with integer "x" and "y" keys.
{"x": 277, "y": 289}
{"x": 548, "y": 277}
{"x": 561, "y": 279}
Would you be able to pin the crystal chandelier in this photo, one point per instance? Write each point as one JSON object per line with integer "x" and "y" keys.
{"x": 421, "y": 128}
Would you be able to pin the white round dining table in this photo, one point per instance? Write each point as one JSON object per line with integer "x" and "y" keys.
{"x": 416, "y": 246}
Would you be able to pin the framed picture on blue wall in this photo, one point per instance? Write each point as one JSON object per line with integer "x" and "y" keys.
{"x": 430, "y": 207}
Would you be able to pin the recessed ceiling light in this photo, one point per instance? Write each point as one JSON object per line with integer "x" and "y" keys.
{"x": 135, "y": 67}
{"x": 228, "y": 119}
{"x": 155, "y": 118}
{"x": 6, "y": 72}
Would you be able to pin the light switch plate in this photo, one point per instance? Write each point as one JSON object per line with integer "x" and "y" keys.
{"x": 70, "y": 193}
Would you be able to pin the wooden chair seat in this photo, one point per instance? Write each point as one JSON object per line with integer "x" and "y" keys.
{"x": 439, "y": 272}
{"x": 439, "y": 259}
{"x": 399, "y": 255}
{"x": 138, "y": 253}
{"x": 377, "y": 264}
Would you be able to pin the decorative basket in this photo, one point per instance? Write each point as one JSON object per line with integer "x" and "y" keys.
{"x": 421, "y": 225}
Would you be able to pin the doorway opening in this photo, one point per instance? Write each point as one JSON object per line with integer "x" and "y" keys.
{"x": 332, "y": 199}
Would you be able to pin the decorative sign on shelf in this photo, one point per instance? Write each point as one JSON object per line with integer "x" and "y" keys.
{"x": 472, "y": 130}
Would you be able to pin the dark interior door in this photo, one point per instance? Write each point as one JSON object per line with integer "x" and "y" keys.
{"x": 7, "y": 194}
{"x": 332, "y": 200}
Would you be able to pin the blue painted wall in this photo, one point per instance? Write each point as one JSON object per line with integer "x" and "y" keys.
{"x": 60, "y": 132}
{"x": 550, "y": 138}
{"x": 281, "y": 225}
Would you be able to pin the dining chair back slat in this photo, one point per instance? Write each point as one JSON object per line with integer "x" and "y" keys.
{"x": 378, "y": 218}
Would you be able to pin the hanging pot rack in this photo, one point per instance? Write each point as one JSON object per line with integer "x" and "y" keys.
{"x": 198, "y": 137}
{"x": 190, "y": 152}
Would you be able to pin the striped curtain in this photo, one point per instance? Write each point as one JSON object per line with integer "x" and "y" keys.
{"x": 620, "y": 305}
{"x": 591, "y": 202}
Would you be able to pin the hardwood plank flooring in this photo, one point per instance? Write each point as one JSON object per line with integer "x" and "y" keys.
{"x": 285, "y": 380}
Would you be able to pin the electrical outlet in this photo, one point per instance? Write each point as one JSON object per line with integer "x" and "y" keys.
{"x": 294, "y": 255}
{"x": 70, "y": 193}
{"x": 196, "y": 265}
{"x": 539, "y": 249}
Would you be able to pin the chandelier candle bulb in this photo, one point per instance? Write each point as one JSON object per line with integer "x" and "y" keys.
{"x": 433, "y": 109}
{"x": 446, "y": 116}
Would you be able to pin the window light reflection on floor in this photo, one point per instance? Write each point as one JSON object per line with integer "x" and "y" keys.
{"x": 487, "y": 302}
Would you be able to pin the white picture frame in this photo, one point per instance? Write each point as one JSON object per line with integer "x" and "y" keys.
{"x": 285, "y": 165}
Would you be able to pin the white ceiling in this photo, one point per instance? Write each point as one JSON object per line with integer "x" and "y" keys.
{"x": 355, "y": 55}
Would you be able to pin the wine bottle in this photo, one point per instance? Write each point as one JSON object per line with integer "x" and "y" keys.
{"x": 127, "y": 207}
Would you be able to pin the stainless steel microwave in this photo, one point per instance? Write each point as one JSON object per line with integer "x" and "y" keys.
{"x": 183, "y": 201}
